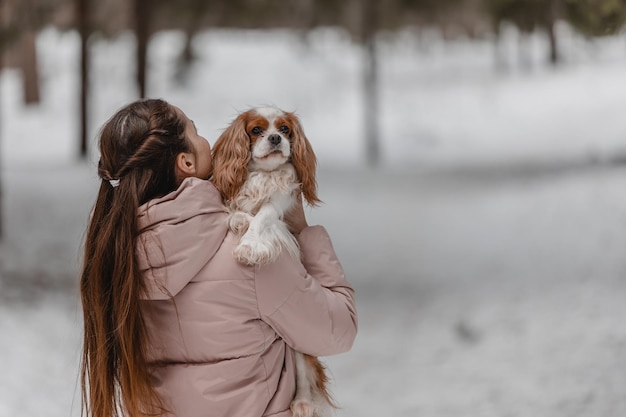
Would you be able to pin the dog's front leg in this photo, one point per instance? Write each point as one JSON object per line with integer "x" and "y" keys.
{"x": 257, "y": 245}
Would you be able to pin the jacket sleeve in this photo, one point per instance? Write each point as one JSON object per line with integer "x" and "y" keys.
{"x": 310, "y": 304}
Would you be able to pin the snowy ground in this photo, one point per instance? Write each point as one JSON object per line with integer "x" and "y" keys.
{"x": 487, "y": 251}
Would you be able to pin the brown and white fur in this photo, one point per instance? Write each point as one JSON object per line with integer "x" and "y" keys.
{"x": 259, "y": 163}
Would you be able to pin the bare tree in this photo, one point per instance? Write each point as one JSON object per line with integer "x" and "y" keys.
{"x": 4, "y": 36}
{"x": 83, "y": 28}
{"x": 28, "y": 63}
{"x": 142, "y": 32}
{"x": 370, "y": 82}
{"x": 21, "y": 21}
{"x": 550, "y": 27}
{"x": 1, "y": 184}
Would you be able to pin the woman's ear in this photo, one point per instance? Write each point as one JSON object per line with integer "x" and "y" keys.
{"x": 185, "y": 165}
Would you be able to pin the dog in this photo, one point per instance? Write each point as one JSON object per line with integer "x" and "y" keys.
{"x": 261, "y": 162}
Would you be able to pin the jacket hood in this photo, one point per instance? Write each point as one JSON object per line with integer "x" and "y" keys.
{"x": 177, "y": 236}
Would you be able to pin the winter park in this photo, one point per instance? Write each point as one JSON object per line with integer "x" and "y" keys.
{"x": 487, "y": 246}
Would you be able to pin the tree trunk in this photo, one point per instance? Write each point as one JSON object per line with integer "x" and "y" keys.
{"x": 30, "y": 73}
{"x": 499, "y": 56}
{"x": 83, "y": 23}
{"x": 1, "y": 188}
{"x": 370, "y": 84}
{"x": 186, "y": 58}
{"x": 552, "y": 16}
{"x": 523, "y": 53}
{"x": 554, "y": 50}
{"x": 142, "y": 18}
{"x": 187, "y": 55}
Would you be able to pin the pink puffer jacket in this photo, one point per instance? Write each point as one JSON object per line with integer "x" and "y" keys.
{"x": 222, "y": 334}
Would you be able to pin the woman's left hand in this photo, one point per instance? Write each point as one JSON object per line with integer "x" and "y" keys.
{"x": 295, "y": 218}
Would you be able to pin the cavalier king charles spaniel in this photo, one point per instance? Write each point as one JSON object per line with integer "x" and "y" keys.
{"x": 259, "y": 163}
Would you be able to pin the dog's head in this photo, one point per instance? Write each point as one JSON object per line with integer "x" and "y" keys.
{"x": 263, "y": 139}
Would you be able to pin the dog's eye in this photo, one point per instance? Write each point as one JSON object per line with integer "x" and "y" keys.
{"x": 284, "y": 129}
{"x": 256, "y": 130}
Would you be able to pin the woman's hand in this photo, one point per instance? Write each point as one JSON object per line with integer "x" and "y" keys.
{"x": 295, "y": 219}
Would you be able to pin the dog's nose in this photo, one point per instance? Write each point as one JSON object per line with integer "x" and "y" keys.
{"x": 274, "y": 139}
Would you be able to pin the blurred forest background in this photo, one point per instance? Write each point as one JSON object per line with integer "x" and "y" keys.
{"x": 363, "y": 20}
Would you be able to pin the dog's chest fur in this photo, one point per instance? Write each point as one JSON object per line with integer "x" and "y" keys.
{"x": 263, "y": 187}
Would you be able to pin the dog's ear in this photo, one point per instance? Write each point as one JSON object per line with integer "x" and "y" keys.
{"x": 304, "y": 161}
{"x": 231, "y": 155}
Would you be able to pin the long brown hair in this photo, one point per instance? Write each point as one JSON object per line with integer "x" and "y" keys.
{"x": 138, "y": 148}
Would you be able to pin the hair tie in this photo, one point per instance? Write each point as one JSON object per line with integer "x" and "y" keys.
{"x": 114, "y": 182}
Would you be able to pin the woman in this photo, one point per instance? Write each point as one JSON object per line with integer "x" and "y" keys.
{"x": 172, "y": 324}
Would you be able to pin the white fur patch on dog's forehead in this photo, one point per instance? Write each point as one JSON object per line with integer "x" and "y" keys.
{"x": 269, "y": 113}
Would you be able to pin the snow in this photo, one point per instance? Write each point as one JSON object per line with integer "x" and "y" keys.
{"x": 487, "y": 251}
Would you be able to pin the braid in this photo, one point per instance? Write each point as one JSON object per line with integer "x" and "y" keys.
{"x": 151, "y": 134}
{"x": 104, "y": 173}
{"x": 153, "y": 142}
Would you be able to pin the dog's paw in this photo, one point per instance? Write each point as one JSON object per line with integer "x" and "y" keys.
{"x": 302, "y": 408}
{"x": 239, "y": 222}
{"x": 254, "y": 253}
{"x": 310, "y": 408}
